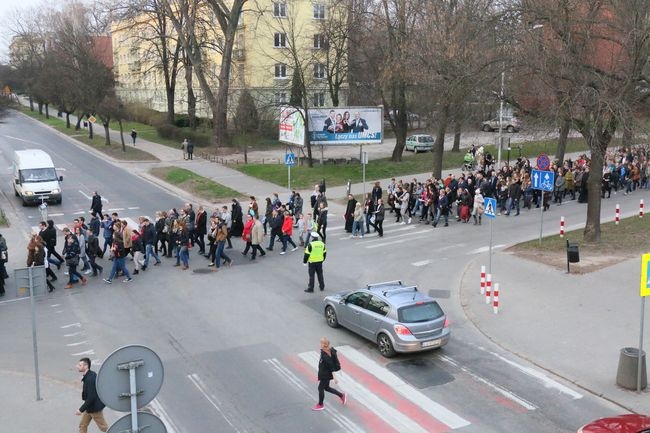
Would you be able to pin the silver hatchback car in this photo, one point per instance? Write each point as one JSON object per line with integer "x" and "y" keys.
{"x": 397, "y": 317}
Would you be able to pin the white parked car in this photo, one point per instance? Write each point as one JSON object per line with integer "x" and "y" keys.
{"x": 420, "y": 143}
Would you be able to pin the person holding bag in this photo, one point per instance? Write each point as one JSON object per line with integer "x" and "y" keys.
{"x": 327, "y": 366}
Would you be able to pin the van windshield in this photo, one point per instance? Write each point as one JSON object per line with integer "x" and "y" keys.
{"x": 38, "y": 175}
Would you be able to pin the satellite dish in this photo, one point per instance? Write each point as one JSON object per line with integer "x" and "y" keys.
{"x": 113, "y": 382}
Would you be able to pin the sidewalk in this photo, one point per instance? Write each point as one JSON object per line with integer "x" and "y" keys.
{"x": 56, "y": 409}
{"x": 572, "y": 325}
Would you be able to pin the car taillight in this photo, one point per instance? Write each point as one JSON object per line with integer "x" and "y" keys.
{"x": 446, "y": 325}
{"x": 402, "y": 330}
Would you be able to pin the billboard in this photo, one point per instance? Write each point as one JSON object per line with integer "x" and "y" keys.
{"x": 346, "y": 125}
{"x": 292, "y": 125}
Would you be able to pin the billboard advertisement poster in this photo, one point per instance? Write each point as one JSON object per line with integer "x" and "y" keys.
{"x": 292, "y": 125}
{"x": 346, "y": 125}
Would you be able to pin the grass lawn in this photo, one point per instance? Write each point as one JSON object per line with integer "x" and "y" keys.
{"x": 303, "y": 177}
{"x": 627, "y": 240}
{"x": 98, "y": 143}
{"x": 195, "y": 184}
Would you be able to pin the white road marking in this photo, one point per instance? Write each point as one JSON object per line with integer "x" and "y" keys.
{"x": 8, "y": 301}
{"x": 410, "y": 393}
{"x": 422, "y": 263}
{"x": 378, "y": 239}
{"x": 61, "y": 226}
{"x": 81, "y": 212}
{"x": 55, "y": 305}
{"x": 212, "y": 399}
{"x": 498, "y": 388}
{"x": 546, "y": 381}
{"x": 85, "y": 195}
{"x": 160, "y": 411}
{"x": 74, "y": 334}
{"x": 484, "y": 249}
{"x": 55, "y": 214}
{"x": 399, "y": 241}
{"x": 86, "y": 353}
{"x": 115, "y": 209}
{"x": 286, "y": 374}
{"x": 133, "y": 208}
{"x": 71, "y": 325}
{"x": 131, "y": 223}
{"x": 79, "y": 343}
{"x": 59, "y": 311}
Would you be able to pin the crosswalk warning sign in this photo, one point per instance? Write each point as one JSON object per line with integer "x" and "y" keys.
{"x": 489, "y": 207}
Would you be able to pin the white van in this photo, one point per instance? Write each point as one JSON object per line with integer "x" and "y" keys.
{"x": 35, "y": 178}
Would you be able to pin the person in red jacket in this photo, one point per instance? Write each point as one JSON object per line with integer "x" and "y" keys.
{"x": 246, "y": 235}
{"x": 287, "y": 231}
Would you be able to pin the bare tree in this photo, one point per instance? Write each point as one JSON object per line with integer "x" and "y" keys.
{"x": 227, "y": 16}
{"x": 591, "y": 59}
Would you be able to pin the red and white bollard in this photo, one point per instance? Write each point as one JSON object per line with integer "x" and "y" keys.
{"x": 482, "y": 280}
{"x": 641, "y": 209}
{"x": 561, "y": 227}
{"x": 495, "y": 302}
{"x": 488, "y": 289}
{"x": 618, "y": 214}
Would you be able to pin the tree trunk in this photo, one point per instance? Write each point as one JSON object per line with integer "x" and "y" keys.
{"x": 598, "y": 143}
{"x": 31, "y": 103}
{"x": 457, "y": 127}
{"x": 67, "y": 120}
{"x": 90, "y": 130}
{"x": 171, "y": 111}
{"x": 627, "y": 137}
{"x": 562, "y": 140}
{"x": 439, "y": 145}
{"x": 40, "y": 108}
{"x": 119, "y": 122}
{"x": 77, "y": 125}
{"x": 191, "y": 97}
{"x": 107, "y": 133}
{"x": 310, "y": 160}
{"x": 47, "y": 111}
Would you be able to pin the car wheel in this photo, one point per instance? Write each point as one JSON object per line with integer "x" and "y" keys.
{"x": 385, "y": 346}
{"x": 510, "y": 129}
{"x": 487, "y": 128}
{"x": 330, "y": 317}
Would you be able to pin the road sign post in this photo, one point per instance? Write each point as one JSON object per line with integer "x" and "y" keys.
{"x": 489, "y": 210}
{"x": 364, "y": 161}
{"x": 644, "y": 291}
{"x": 544, "y": 181}
{"x": 289, "y": 161}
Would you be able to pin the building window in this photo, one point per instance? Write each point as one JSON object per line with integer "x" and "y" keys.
{"x": 319, "y": 41}
{"x": 319, "y": 99}
{"x": 319, "y": 70}
{"x": 280, "y": 98}
{"x": 280, "y": 70}
{"x": 280, "y": 40}
{"x": 319, "y": 12}
{"x": 279, "y": 9}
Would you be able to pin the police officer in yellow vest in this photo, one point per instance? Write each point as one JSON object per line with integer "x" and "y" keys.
{"x": 315, "y": 254}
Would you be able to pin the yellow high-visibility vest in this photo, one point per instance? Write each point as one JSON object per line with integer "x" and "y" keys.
{"x": 317, "y": 253}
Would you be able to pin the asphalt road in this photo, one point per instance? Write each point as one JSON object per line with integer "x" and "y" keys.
{"x": 239, "y": 345}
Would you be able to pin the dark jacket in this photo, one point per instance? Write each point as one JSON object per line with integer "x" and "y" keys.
{"x": 93, "y": 249}
{"x": 149, "y": 235}
{"x": 201, "y": 223}
{"x": 49, "y": 235}
{"x": 276, "y": 223}
{"x": 328, "y": 364}
{"x": 96, "y": 204}
{"x": 92, "y": 403}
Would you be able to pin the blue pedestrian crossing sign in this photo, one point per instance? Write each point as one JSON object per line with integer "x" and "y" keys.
{"x": 289, "y": 159}
{"x": 544, "y": 180}
{"x": 490, "y": 207}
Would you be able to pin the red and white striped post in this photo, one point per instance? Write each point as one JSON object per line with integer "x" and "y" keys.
{"x": 618, "y": 214}
{"x": 495, "y": 302}
{"x": 488, "y": 289}
{"x": 482, "y": 280}
{"x": 561, "y": 227}
{"x": 641, "y": 209}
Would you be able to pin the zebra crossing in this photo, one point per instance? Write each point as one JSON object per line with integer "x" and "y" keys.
{"x": 380, "y": 401}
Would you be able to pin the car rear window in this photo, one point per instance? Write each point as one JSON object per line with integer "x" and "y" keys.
{"x": 427, "y": 139}
{"x": 420, "y": 312}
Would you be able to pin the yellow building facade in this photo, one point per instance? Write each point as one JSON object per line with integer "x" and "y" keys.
{"x": 273, "y": 39}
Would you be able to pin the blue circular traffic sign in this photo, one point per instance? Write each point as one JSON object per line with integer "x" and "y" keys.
{"x": 543, "y": 162}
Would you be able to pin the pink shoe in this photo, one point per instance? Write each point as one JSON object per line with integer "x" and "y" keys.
{"x": 344, "y": 398}
{"x": 318, "y": 407}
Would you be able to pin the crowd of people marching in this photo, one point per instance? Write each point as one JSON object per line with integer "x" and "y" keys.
{"x": 174, "y": 233}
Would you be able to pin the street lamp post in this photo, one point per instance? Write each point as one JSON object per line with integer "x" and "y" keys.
{"x": 503, "y": 79}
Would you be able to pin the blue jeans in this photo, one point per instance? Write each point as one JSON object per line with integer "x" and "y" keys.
{"x": 184, "y": 256}
{"x": 357, "y": 227}
{"x": 119, "y": 264}
{"x": 219, "y": 254}
{"x": 150, "y": 252}
{"x": 286, "y": 239}
{"x": 438, "y": 214}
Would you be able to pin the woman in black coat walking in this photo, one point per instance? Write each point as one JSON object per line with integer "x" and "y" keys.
{"x": 327, "y": 365}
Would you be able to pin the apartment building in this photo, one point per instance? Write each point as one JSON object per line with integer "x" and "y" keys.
{"x": 273, "y": 38}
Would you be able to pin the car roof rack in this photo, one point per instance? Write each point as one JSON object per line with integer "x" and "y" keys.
{"x": 396, "y": 290}
{"x": 385, "y": 283}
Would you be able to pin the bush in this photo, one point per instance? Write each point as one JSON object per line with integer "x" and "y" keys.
{"x": 142, "y": 114}
{"x": 200, "y": 138}
{"x": 183, "y": 120}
